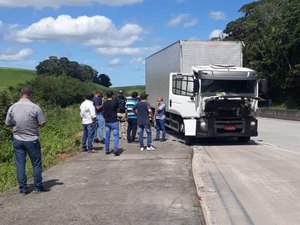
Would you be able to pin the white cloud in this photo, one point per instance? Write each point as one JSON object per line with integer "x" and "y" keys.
{"x": 216, "y": 34}
{"x": 95, "y": 31}
{"x": 126, "y": 51}
{"x": 184, "y": 20}
{"x": 1, "y": 23}
{"x": 39, "y": 4}
{"x": 138, "y": 60}
{"x": 16, "y": 56}
{"x": 115, "y": 62}
{"x": 217, "y": 15}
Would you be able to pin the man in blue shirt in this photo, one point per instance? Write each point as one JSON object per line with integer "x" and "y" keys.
{"x": 131, "y": 117}
{"x": 160, "y": 118}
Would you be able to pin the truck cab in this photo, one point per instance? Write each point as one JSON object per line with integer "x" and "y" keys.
{"x": 214, "y": 101}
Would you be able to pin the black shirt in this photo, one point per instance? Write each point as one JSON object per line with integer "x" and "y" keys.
{"x": 143, "y": 113}
{"x": 110, "y": 108}
{"x": 121, "y": 102}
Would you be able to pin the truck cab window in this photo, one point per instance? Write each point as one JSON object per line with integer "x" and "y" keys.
{"x": 183, "y": 85}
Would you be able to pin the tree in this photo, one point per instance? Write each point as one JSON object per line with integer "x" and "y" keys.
{"x": 270, "y": 30}
{"x": 54, "y": 66}
{"x": 103, "y": 80}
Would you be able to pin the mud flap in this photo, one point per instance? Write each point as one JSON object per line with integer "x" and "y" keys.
{"x": 190, "y": 127}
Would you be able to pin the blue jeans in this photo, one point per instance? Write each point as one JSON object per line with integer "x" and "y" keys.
{"x": 160, "y": 126}
{"x": 114, "y": 127}
{"x": 88, "y": 135}
{"x": 141, "y": 134}
{"x": 100, "y": 127}
{"x": 33, "y": 149}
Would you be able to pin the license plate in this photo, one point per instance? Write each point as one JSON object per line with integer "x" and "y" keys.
{"x": 229, "y": 127}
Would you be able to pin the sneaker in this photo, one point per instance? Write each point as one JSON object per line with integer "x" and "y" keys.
{"x": 24, "y": 192}
{"x": 156, "y": 139}
{"x": 142, "y": 148}
{"x": 102, "y": 141}
{"x": 40, "y": 189}
{"x": 150, "y": 148}
{"x": 96, "y": 140}
{"x": 107, "y": 153}
{"x": 92, "y": 151}
{"x": 117, "y": 154}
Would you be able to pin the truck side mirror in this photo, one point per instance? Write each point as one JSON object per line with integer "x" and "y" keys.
{"x": 263, "y": 86}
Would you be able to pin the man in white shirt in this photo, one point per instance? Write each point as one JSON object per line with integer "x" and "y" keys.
{"x": 88, "y": 116}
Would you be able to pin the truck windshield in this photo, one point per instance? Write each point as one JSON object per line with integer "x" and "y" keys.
{"x": 228, "y": 87}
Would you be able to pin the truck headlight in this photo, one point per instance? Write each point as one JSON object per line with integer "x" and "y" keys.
{"x": 252, "y": 124}
{"x": 203, "y": 125}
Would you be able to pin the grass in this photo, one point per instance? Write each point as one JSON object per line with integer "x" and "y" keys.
{"x": 11, "y": 77}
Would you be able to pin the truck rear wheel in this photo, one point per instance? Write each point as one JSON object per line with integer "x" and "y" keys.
{"x": 243, "y": 139}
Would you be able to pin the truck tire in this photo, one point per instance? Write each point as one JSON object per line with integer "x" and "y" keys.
{"x": 189, "y": 141}
{"x": 243, "y": 139}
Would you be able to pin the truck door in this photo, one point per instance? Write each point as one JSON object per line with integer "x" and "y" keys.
{"x": 181, "y": 95}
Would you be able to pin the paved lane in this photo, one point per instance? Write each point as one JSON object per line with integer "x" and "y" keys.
{"x": 256, "y": 183}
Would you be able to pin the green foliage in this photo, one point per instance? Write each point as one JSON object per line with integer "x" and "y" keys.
{"x": 270, "y": 30}
{"x": 11, "y": 77}
{"x": 103, "y": 80}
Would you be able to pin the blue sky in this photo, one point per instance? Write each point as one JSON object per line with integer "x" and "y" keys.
{"x": 112, "y": 36}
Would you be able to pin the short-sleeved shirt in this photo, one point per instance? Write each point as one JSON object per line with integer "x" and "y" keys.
{"x": 97, "y": 102}
{"x": 130, "y": 104}
{"x": 161, "y": 111}
{"x": 143, "y": 113}
{"x": 110, "y": 108}
{"x": 25, "y": 117}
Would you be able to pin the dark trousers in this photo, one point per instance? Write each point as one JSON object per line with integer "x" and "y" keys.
{"x": 33, "y": 149}
{"x": 131, "y": 130}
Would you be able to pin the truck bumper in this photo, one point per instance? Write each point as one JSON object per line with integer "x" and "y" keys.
{"x": 226, "y": 127}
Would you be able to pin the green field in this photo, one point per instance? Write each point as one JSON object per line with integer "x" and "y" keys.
{"x": 11, "y": 77}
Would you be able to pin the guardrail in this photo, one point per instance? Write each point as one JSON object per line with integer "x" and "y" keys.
{"x": 286, "y": 114}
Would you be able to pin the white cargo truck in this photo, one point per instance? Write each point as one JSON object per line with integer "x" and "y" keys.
{"x": 207, "y": 91}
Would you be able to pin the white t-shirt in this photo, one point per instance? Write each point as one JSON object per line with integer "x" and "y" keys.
{"x": 87, "y": 112}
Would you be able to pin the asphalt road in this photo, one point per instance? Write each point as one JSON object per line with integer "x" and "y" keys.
{"x": 256, "y": 183}
{"x": 137, "y": 188}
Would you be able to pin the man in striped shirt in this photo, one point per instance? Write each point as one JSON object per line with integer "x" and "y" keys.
{"x": 25, "y": 118}
{"x": 131, "y": 117}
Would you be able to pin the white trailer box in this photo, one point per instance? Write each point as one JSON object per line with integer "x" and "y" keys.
{"x": 180, "y": 56}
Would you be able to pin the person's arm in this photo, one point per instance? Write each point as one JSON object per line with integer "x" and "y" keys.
{"x": 92, "y": 110}
{"x": 8, "y": 120}
{"x": 41, "y": 118}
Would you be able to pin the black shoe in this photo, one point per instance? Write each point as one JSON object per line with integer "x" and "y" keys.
{"x": 107, "y": 153}
{"x": 96, "y": 140}
{"x": 102, "y": 141}
{"x": 23, "y": 192}
{"x": 163, "y": 140}
{"x": 117, "y": 154}
{"x": 40, "y": 189}
{"x": 156, "y": 139}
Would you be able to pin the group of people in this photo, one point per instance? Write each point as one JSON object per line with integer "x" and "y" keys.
{"x": 25, "y": 118}
{"x": 114, "y": 114}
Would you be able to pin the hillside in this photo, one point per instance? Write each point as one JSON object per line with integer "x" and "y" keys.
{"x": 13, "y": 76}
